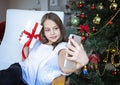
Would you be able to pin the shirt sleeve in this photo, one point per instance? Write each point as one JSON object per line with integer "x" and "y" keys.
{"x": 60, "y": 46}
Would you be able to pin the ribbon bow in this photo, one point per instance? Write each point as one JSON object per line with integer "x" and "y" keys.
{"x": 83, "y": 28}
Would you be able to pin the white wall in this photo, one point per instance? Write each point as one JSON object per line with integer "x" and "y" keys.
{"x": 62, "y": 4}
{"x": 29, "y": 4}
{"x": 34, "y": 4}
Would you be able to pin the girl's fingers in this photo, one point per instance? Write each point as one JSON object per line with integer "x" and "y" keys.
{"x": 71, "y": 58}
{"x": 20, "y": 35}
{"x": 71, "y": 47}
{"x": 75, "y": 44}
{"x": 77, "y": 52}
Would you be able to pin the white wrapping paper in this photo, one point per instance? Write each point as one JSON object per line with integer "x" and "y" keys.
{"x": 29, "y": 27}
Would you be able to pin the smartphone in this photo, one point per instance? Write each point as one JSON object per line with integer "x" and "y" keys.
{"x": 67, "y": 63}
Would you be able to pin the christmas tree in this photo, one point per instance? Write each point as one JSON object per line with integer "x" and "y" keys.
{"x": 98, "y": 24}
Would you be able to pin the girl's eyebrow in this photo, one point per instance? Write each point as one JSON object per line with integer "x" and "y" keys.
{"x": 52, "y": 27}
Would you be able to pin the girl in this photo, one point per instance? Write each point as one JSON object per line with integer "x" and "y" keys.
{"x": 45, "y": 61}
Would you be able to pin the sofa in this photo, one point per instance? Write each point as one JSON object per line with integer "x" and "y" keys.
{"x": 16, "y": 19}
{"x": 10, "y": 48}
{"x": 2, "y": 30}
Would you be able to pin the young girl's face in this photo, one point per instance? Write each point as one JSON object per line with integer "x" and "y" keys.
{"x": 51, "y": 31}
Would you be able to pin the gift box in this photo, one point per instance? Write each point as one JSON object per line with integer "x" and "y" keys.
{"x": 31, "y": 33}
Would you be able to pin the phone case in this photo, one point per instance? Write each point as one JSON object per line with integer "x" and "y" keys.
{"x": 67, "y": 63}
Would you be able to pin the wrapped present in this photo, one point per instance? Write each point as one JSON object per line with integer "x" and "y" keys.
{"x": 30, "y": 35}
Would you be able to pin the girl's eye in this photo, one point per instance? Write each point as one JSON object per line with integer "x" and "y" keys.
{"x": 56, "y": 28}
{"x": 47, "y": 29}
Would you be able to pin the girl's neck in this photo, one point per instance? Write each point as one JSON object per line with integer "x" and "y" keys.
{"x": 48, "y": 43}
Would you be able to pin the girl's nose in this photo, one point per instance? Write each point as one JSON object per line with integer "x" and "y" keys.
{"x": 52, "y": 32}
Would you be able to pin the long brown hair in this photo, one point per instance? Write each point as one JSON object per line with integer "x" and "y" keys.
{"x": 54, "y": 17}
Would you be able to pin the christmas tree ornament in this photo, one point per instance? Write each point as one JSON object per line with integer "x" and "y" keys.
{"x": 84, "y": 32}
{"x": 113, "y": 5}
{"x": 82, "y": 15}
{"x": 100, "y": 7}
{"x": 83, "y": 38}
{"x": 75, "y": 21}
{"x": 84, "y": 28}
{"x": 97, "y": 19}
{"x": 93, "y": 6}
{"x": 85, "y": 71}
{"x": 94, "y": 59}
{"x": 115, "y": 57}
{"x": 94, "y": 29}
{"x": 113, "y": 50}
{"x": 80, "y": 5}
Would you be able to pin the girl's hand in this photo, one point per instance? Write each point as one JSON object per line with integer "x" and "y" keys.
{"x": 78, "y": 54}
{"x": 21, "y": 35}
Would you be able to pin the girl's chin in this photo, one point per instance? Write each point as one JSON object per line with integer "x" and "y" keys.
{"x": 54, "y": 40}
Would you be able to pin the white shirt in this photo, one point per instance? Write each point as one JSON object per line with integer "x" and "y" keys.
{"x": 41, "y": 67}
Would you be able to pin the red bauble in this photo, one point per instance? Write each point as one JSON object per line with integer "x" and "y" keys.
{"x": 94, "y": 30}
{"x": 93, "y": 7}
{"x": 80, "y": 5}
{"x": 82, "y": 15}
{"x": 83, "y": 38}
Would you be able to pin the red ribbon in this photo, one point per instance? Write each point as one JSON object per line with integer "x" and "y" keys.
{"x": 83, "y": 28}
{"x": 30, "y": 36}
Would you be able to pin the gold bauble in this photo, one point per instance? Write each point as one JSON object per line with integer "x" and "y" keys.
{"x": 113, "y": 6}
{"x": 100, "y": 6}
{"x": 115, "y": 55}
{"x": 97, "y": 19}
{"x": 113, "y": 50}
